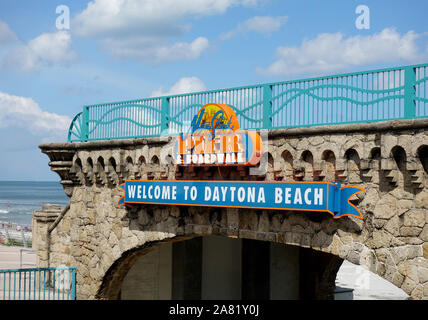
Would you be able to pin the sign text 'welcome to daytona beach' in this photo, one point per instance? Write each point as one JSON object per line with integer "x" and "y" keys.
{"x": 306, "y": 196}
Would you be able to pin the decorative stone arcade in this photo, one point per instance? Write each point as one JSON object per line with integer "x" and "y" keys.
{"x": 106, "y": 241}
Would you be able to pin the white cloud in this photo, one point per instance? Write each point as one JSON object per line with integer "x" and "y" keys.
{"x": 53, "y": 47}
{"x": 184, "y": 85}
{"x": 22, "y": 59}
{"x": 24, "y": 112}
{"x": 183, "y": 50}
{"x": 146, "y": 17}
{"x": 46, "y": 49}
{"x": 155, "y": 51}
{"x": 265, "y": 24}
{"x": 333, "y": 52}
{"x": 260, "y": 24}
{"x": 145, "y": 29}
{"x": 6, "y": 35}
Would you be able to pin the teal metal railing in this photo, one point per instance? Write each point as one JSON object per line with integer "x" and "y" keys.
{"x": 38, "y": 284}
{"x": 368, "y": 96}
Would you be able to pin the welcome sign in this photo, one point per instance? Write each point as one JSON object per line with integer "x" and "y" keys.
{"x": 304, "y": 196}
{"x": 215, "y": 140}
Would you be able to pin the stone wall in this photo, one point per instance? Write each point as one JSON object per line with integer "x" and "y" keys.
{"x": 103, "y": 240}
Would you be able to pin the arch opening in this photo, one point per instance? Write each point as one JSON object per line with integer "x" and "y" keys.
{"x": 308, "y": 163}
{"x": 112, "y": 163}
{"x": 423, "y": 157}
{"x": 399, "y": 155}
{"x": 141, "y": 160}
{"x": 329, "y": 158}
{"x": 218, "y": 267}
{"x": 90, "y": 163}
{"x": 353, "y": 166}
{"x": 288, "y": 164}
{"x": 78, "y": 163}
{"x": 129, "y": 160}
{"x": 101, "y": 162}
{"x": 155, "y": 160}
{"x": 375, "y": 153}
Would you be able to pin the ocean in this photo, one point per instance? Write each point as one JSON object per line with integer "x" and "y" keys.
{"x": 19, "y": 199}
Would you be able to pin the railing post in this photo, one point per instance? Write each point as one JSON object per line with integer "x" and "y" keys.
{"x": 85, "y": 124}
{"x": 73, "y": 283}
{"x": 267, "y": 106}
{"x": 165, "y": 116}
{"x": 24, "y": 241}
{"x": 409, "y": 92}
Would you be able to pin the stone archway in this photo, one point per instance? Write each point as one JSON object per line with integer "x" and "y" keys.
{"x": 219, "y": 267}
{"x": 104, "y": 243}
{"x": 321, "y": 252}
{"x": 389, "y": 160}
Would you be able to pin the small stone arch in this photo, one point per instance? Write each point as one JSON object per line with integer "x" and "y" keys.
{"x": 112, "y": 162}
{"x": 329, "y": 159}
{"x": 101, "y": 177}
{"x": 307, "y": 157}
{"x": 90, "y": 163}
{"x": 375, "y": 153}
{"x": 287, "y": 158}
{"x": 154, "y": 160}
{"x": 388, "y": 151}
{"x": 373, "y": 172}
{"x": 403, "y": 178}
{"x": 128, "y": 167}
{"x": 141, "y": 160}
{"x": 129, "y": 160}
{"x": 139, "y": 167}
{"x": 129, "y": 164}
{"x": 88, "y": 169}
{"x": 78, "y": 163}
{"x": 352, "y": 155}
{"x": 152, "y": 168}
{"x": 100, "y": 162}
{"x": 422, "y": 154}
{"x": 76, "y": 171}
{"x": 352, "y": 159}
{"x": 307, "y": 160}
{"x": 399, "y": 155}
{"x": 353, "y": 144}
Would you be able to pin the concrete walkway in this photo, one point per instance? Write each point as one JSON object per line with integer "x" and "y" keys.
{"x": 28, "y": 286}
{"x": 367, "y": 285}
{"x": 10, "y": 257}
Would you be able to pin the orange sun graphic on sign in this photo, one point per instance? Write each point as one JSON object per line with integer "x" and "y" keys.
{"x": 215, "y": 116}
{"x": 216, "y": 140}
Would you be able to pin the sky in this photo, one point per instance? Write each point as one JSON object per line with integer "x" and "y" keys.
{"x": 57, "y": 56}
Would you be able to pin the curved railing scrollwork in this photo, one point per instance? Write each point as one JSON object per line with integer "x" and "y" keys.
{"x": 386, "y": 94}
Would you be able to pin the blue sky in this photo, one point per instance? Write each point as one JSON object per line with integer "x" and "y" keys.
{"x": 121, "y": 50}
